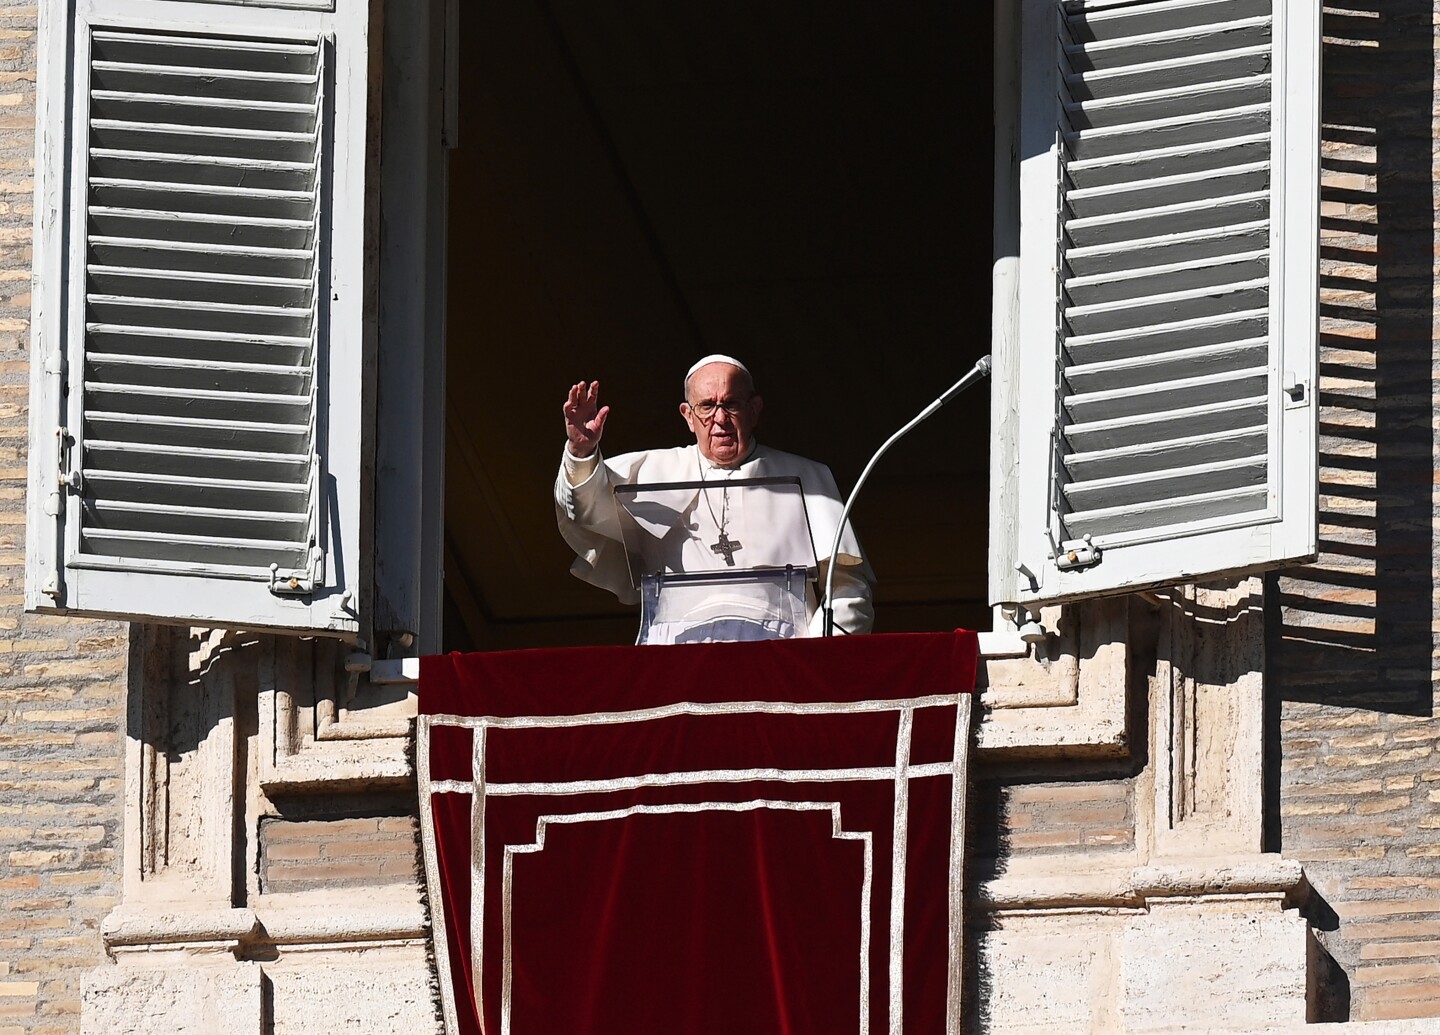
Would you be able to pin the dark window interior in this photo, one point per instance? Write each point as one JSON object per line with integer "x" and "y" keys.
{"x": 806, "y": 185}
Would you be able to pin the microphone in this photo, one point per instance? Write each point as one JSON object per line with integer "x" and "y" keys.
{"x": 979, "y": 370}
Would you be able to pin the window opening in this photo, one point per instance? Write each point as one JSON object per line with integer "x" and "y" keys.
{"x": 637, "y": 187}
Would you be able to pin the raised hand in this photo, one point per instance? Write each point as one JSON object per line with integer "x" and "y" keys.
{"x": 584, "y": 418}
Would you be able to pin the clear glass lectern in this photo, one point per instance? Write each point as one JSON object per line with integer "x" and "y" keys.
{"x": 718, "y": 559}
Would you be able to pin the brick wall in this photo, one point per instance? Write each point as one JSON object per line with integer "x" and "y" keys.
{"x": 329, "y": 853}
{"x": 1015, "y": 817}
{"x": 1354, "y": 706}
{"x": 61, "y": 681}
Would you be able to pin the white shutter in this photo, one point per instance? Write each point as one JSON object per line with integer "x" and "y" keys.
{"x": 196, "y": 443}
{"x": 1164, "y": 364}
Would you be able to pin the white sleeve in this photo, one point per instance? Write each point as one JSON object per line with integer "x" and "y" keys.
{"x": 854, "y": 609}
{"x": 584, "y": 497}
{"x": 585, "y": 514}
{"x": 578, "y": 468}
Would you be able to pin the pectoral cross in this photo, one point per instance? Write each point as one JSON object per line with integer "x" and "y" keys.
{"x": 726, "y": 547}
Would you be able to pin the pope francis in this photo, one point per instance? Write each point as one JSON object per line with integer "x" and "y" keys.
{"x": 722, "y": 410}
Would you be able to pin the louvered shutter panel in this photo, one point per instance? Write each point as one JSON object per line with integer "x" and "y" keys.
{"x": 203, "y": 461}
{"x": 1167, "y": 347}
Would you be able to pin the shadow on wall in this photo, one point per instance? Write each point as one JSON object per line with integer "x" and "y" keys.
{"x": 1354, "y": 629}
{"x": 1349, "y": 638}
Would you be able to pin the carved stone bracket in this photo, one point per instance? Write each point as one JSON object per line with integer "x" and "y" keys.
{"x": 181, "y": 807}
{"x": 322, "y": 722}
{"x": 1206, "y": 723}
{"x": 1070, "y": 697}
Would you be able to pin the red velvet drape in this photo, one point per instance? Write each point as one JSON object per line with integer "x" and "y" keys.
{"x": 695, "y": 839}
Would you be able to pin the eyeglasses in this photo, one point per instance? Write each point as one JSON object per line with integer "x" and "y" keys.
{"x": 706, "y": 410}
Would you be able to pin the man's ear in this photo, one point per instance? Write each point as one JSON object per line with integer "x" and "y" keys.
{"x": 757, "y": 403}
{"x": 686, "y": 415}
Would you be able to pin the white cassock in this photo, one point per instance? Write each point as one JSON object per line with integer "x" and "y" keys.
{"x": 586, "y": 511}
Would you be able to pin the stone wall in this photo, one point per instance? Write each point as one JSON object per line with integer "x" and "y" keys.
{"x": 62, "y": 682}
{"x": 1354, "y": 713}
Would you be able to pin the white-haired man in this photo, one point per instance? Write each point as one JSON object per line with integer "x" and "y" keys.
{"x": 722, "y": 410}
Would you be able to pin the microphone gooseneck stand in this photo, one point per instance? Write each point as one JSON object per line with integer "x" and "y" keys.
{"x": 979, "y": 370}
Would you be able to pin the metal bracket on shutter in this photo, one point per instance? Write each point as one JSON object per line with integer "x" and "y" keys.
{"x": 1296, "y": 389}
{"x": 299, "y": 582}
{"x": 1077, "y": 554}
{"x": 302, "y": 581}
{"x": 290, "y": 583}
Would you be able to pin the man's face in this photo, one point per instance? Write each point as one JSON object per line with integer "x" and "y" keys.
{"x": 724, "y": 435}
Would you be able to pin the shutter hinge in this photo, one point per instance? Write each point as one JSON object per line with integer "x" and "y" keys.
{"x": 1077, "y": 554}
{"x": 65, "y": 478}
{"x": 69, "y": 478}
{"x": 54, "y": 504}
